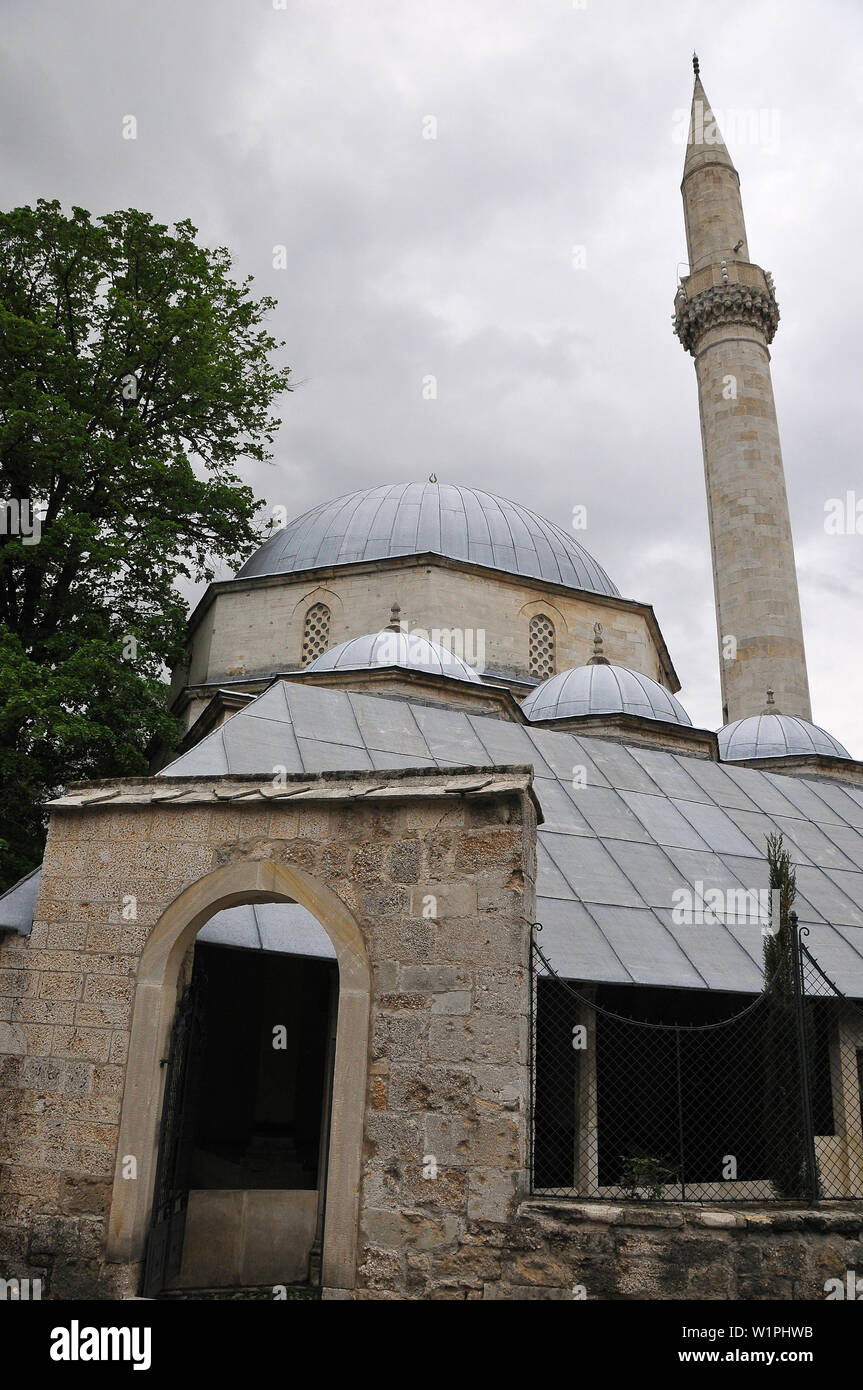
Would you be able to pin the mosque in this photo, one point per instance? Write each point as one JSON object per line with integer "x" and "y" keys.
{"x": 270, "y": 1017}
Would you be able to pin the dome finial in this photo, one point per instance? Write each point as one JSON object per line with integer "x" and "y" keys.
{"x": 770, "y": 707}
{"x": 432, "y": 477}
{"x": 695, "y": 64}
{"x": 394, "y": 624}
{"x": 598, "y": 658}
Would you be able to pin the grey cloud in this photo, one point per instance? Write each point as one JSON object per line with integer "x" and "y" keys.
{"x": 557, "y": 386}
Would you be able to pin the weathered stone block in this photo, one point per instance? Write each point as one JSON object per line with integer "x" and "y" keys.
{"x": 380, "y": 1269}
{"x": 400, "y": 1037}
{"x": 467, "y": 1142}
{"x": 83, "y": 1195}
{"x": 478, "y": 1039}
{"x": 406, "y": 861}
{"x": 458, "y": 1001}
{"x": 394, "y": 1137}
{"x": 443, "y": 900}
{"x": 430, "y": 1087}
{"x": 435, "y": 979}
{"x": 491, "y": 1193}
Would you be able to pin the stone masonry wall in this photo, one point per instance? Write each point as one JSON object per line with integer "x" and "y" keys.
{"x": 584, "y": 1250}
{"x": 442, "y": 888}
{"x": 254, "y": 630}
{"x": 446, "y": 1134}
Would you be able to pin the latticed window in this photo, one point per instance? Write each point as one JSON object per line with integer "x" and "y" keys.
{"x": 541, "y": 646}
{"x": 316, "y": 633}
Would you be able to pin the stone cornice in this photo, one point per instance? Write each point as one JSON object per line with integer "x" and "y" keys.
{"x": 396, "y": 784}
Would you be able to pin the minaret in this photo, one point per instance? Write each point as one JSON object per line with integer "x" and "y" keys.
{"x": 725, "y": 315}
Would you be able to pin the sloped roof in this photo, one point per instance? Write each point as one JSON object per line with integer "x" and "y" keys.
{"x": 612, "y": 852}
{"x": 18, "y": 903}
{"x": 288, "y": 928}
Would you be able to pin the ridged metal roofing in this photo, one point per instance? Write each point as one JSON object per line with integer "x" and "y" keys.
{"x": 288, "y": 928}
{"x": 441, "y": 518}
{"x": 18, "y": 902}
{"x": 603, "y": 689}
{"x": 388, "y": 648}
{"x": 618, "y": 841}
{"x": 776, "y": 736}
{"x": 613, "y": 852}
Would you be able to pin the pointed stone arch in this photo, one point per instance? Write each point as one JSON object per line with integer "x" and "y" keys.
{"x": 321, "y": 593}
{"x": 244, "y": 881}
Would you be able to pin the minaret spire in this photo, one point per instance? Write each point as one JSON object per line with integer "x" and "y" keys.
{"x": 712, "y": 206}
{"x": 726, "y": 315}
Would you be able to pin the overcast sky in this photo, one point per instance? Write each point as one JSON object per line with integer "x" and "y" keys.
{"x": 557, "y": 126}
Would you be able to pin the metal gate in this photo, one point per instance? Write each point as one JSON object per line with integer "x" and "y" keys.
{"x": 176, "y": 1138}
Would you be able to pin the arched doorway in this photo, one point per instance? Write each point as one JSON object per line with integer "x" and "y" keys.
{"x": 158, "y": 990}
{"x": 240, "y": 1182}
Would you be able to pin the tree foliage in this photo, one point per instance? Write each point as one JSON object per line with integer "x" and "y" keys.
{"x": 135, "y": 372}
{"x": 785, "y": 1140}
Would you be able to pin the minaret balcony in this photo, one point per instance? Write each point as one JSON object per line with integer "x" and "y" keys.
{"x": 725, "y": 292}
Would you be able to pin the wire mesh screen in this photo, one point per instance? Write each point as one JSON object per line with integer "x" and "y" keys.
{"x": 678, "y": 1095}
{"x": 837, "y": 1077}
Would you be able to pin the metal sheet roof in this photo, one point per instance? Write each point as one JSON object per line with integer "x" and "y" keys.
{"x": 612, "y": 852}
{"x": 389, "y": 648}
{"x": 287, "y": 928}
{"x": 430, "y": 518}
{"x": 18, "y": 903}
{"x": 603, "y": 689}
{"x": 776, "y": 736}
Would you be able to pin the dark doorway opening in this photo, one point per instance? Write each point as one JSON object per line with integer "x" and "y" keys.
{"x": 241, "y": 1173}
{"x": 259, "y": 1108}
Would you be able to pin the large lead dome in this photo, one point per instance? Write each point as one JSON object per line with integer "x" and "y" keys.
{"x": 460, "y": 523}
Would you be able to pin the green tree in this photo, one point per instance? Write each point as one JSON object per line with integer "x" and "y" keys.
{"x": 134, "y": 373}
{"x": 784, "y": 1128}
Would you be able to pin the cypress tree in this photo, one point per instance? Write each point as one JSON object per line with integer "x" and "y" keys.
{"x": 783, "y": 1112}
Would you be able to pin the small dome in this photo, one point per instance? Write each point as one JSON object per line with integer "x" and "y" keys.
{"x": 603, "y": 689}
{"x": 776, "y": 736}
{"x": 388, "y": 648}
{"x": 460, "y": 523}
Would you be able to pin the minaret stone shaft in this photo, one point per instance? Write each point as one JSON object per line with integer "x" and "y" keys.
{"x": 726, "y": 315}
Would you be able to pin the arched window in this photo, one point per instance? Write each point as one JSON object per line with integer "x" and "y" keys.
{"x": 541, "y": 647}
{"x": 316, "y": 633}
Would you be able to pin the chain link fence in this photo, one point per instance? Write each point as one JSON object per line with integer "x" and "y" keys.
{"x": 682, "y": 1095}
